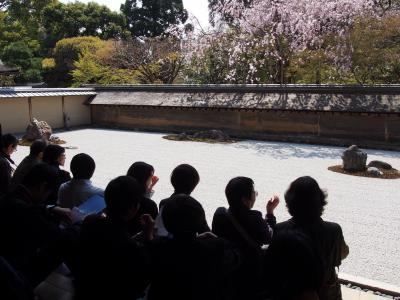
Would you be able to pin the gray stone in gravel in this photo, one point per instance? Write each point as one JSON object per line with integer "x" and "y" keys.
{"x": 374, "y": 171}
{"x": 354, "y": 159}
{"x": 380, "y": 165}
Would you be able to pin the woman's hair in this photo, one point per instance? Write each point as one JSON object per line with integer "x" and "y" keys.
{"x": 121, "y": 195}
{"x": 184, "y": 179}
{"x": 141, "y": 171}
{"x": 304, "y": 199}
{"x": 237, "y": 188}
{"x": 51, "y": 154}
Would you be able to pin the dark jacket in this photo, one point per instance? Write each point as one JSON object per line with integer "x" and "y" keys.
{"x": 147, "y": 206}
{"x": 252, "y": 221}
{"x": 328, "y": 242}
{"x": 192, "y": 268}
{"x": 111, "y": 265}
{"x": 63, "y": 176}
{"x": 23, "y": 169}
{"x": 247, "y": 282}
{"x": 204, "y": 226}
{"x": 32, "y": 241}
{"x": 5, "y": 173}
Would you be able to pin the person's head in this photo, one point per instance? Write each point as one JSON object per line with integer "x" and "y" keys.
{"x": 9, "y": 143}
{"x": 82, "y": 166}
{"x": 41, "y": 180}
{"x": 304, "y": 199}
{"x": 122, "y": 197}
{"x": 37, "y": 148}
{"x": 240, "y": 193}
{"x": 54, "y": 155}
{"x": 143, "y": 173}
{"x": 292, "y": 267}
{"x": 184, "y": 178}
{"x": 183, "y": 216}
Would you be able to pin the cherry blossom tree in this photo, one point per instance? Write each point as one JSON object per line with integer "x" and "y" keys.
{"x": 260, "y": 38}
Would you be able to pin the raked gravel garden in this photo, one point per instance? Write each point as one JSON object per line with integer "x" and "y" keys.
{"x": 368, "y": 209}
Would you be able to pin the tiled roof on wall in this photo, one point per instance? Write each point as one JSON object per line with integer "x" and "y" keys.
{"x": 44, "y": 92}
{"x": 340, "y": 102}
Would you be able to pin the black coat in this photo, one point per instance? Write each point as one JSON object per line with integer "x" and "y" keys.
{"x": 5, "y": 173}
{"x": 63, "y": 176}
{"x": 32, "y": 241}
{"x": 192, "y": 269}
{"x": 147, "y": 206}
{"x": 252, "y": 221}
{"x": 110, "y": 265}
{"x": 247, "y": 280}
{"x": 23, "y": 169}
{"x": 204, "y": 225}
{"x": 328, "y": 242}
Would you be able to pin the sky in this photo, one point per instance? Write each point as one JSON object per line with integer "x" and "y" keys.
{"x": 198, "y": 8}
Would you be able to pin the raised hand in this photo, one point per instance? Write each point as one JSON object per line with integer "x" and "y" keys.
{"x": 272, "y": 204}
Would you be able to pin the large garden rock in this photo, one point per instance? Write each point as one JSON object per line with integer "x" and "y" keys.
{"x": 217, "y": 135}
{"x": 37, "y": 130}
{"x": 380, "y": 165}
{"x": 354, "y": 159}
{"x": 374, "y": 171}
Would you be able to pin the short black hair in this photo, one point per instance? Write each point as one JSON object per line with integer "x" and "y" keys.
{"x": 141, "y": 171}
{"x": 184, "y": 179}
{"x": 51, "y": 153}
{"x": 8, "y": 140}
{"x": 122, "y": 194}
{"x": 82, "y": 166}
{"x": 304, "y": 199}
{"x": 237, "y": 188}
{"x": 39, "y": 174}
{"x": 183, "y": 215}
{"x": 37, "y": 147}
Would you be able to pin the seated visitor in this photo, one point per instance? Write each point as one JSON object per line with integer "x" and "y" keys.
{"x": 292, "y": 268}
{"x": 184, "y": 179}
{"x": 54, "y": 155}
{"x": 305, "y": 202}
{"x": 32, "y": 241}
{"x": 144, "y": 174}
{"x": 35, "y": 157}
{"x": 188, "y": 266}
{"x": 79, "y": 188}
{"x": 247, "y": 229}
{"x": 9, "y": 144}
{"x": 111, "y": 265}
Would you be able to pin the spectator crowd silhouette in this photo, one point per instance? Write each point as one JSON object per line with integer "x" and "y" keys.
{"x": 136, "y": 249}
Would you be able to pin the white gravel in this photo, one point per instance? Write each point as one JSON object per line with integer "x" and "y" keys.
{"x": 367, "y": 209}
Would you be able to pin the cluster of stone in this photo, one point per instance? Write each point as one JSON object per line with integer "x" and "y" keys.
{"x": 355, "y": 160}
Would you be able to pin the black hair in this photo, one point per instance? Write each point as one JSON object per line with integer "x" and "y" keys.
{"x": 183, "y": 215}
{"x": 304, "y": 199}
{"x": 292, "y": 266}
{"x": 37, "y": 147}
{"x": 237, "y": 188}
{"x": 39, "y": 174}
{"x": 122, "y": 194}
{"x": 82, "y": 166}
{"x": 141, "y": 171}
{"x": 51, "y": 154}
{"x": 8, "y": 140}
{"x": 184, "y": 179}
